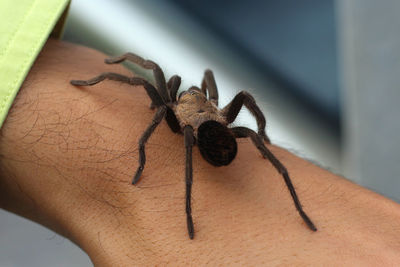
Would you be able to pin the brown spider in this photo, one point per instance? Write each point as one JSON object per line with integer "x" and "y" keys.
{"x": 199, "y": 119}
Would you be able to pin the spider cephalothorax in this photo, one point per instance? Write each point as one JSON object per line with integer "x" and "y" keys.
{"x": 195, "y": 114}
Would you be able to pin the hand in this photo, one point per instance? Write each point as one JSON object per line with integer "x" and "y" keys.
{"x": 69, "y": 154}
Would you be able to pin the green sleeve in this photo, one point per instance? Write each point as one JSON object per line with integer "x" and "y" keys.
{"x": 25, "y": 26}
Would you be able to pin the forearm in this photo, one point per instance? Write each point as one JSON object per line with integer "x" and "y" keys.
{"x": 69, "y": 154}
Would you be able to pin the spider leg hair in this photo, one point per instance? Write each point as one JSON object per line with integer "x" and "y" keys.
{"x": 209, "y": 84}
{"x": 189, "y": 142}
{"x": 233, "y": 108}
{"x": 143, "y": 139}
{"x": 146, "y": 64}
{"x": 151, "y": 91}
{"x": 240, "y": 132}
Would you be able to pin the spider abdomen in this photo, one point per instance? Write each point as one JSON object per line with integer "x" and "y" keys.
{"x": 216, "y": 143}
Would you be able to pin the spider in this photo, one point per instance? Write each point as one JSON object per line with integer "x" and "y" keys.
{"x": 196, "y": 115}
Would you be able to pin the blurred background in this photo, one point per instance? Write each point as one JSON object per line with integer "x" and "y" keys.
{"x": 326, "y": 73}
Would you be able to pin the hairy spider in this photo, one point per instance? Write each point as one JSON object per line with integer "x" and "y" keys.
{"x": 199, "y": 119}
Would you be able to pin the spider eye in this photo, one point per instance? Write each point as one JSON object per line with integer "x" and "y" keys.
{"x": 193, "y": 92}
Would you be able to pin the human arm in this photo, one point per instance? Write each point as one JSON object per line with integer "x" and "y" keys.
{"x": 68, "y": 155}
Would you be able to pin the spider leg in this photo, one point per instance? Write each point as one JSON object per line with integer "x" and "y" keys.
{"x": 100, "y": 78}
{"x": 189, "y": 141}
{"x": 240, "y": 132}
{"x": 151, "y": 91}
{"x": 209, "y": 84}
{"x": 173, "y": 85}
{"x": 172, "y": 121}
{"x": 146, "y": 64}
{"x": 244, "y": 98}
{"x": 143, "y": 139}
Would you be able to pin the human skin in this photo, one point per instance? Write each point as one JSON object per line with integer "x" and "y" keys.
{"x": 68, "y": 155}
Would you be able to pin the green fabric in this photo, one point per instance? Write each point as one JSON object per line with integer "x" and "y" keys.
{"x": 25, "y": 26}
